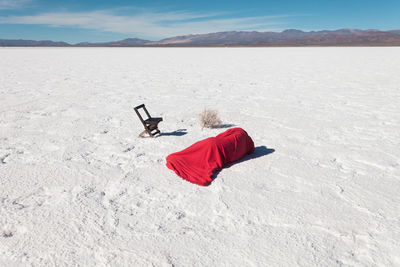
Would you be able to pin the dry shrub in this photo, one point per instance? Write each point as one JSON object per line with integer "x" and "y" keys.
{"x": 209, "y": 118}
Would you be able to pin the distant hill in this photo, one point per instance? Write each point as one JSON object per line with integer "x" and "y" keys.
{"x": 290, "y": 37}
{"x": 126, "y": 42}
{"x": 5, "y": 42}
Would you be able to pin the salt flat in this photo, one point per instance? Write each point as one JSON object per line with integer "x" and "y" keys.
{"x": 78, "y": 187}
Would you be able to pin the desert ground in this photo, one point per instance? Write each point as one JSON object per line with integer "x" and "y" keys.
{"x": 78, "y": 187}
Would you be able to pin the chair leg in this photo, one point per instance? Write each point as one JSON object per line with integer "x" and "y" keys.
{"x": 142, "y": 133}
{"x": 157, "y": 132}
{"x": 150, "y": 133}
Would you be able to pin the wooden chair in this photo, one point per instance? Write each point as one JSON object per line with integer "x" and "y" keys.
{"x": 150, "y": 124}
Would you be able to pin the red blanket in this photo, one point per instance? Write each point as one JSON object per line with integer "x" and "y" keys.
{"x": 198, "y": 162}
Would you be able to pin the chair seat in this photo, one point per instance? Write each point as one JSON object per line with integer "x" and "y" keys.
{"x": 150, "y": 121}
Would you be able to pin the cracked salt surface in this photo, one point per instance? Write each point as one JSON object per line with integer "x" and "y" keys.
{"x": 78, "y": 187}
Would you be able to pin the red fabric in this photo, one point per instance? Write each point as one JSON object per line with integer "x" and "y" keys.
{"x": 198, "y": 162}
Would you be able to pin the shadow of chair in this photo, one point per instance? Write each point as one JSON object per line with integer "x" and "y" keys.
{"x": 178, "y": 132}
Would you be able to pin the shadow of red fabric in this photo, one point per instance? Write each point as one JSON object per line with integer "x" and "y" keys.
{"x": 200, "y": 161}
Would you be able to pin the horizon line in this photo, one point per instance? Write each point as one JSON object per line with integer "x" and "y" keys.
{"x": 198, "y": 34}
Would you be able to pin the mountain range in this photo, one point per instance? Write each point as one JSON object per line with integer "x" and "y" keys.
{"x": 291, "y": 37}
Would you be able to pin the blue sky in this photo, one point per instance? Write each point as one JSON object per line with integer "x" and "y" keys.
{"x": 106, "y": 20}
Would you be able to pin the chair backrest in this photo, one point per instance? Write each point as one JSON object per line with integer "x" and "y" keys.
{"x": 142, "y": 106}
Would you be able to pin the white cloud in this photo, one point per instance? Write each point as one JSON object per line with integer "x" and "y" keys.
{"x": 148, "y": 24}
{"x": 12, "y": 4}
